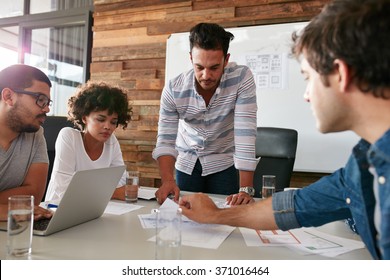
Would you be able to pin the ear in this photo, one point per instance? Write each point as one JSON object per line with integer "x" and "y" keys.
{"x": 226, "y": 60}
{"x": 7, "y": 96}
{"x": 190, "y": 56}
{"x": 344, "y": 74}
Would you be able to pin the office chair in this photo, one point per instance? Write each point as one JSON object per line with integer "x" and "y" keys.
{"x": 52, "y": 127}
{"x": 277, "y": 148}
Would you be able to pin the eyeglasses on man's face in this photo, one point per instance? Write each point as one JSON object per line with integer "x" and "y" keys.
{"x": 41, "y": 99}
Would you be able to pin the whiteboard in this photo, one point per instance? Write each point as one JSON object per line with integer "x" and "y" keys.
{"x": 280, "y": 89}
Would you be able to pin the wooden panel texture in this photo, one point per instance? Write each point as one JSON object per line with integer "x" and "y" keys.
{"x": 129, "y": 48}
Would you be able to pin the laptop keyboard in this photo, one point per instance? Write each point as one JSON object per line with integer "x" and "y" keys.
{"x": 41, "y": 224}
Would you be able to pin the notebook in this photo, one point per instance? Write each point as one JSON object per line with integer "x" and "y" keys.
{"x": 85, "y": 199}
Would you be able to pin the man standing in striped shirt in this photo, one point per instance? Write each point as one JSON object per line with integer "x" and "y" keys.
{"x": 207, "y": 124}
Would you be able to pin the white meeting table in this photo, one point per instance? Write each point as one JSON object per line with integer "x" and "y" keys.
{"x": 121, "y": 237}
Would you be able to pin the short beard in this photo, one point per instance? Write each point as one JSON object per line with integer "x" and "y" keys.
{"x": 16, "y": 123}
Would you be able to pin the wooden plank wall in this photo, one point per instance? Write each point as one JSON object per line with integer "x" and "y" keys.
{"x": 129, "y": 46}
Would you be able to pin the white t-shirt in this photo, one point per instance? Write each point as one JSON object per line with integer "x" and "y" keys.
{"x": 71, "y": 157}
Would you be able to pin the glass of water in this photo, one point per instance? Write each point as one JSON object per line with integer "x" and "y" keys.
{"x": 168, "y": 234}
{"x": 269, "y": 184}
{"x": 20, "y": 225}
{"x": 132, "y": 187}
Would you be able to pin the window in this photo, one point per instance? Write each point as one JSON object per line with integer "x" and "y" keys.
{"x": 8, "y": 46}
{"x": 57, "y": 42}
{"x": 11, "y": 8}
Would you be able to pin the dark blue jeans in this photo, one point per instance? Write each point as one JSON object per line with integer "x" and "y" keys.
{"x": 224, "y": 182}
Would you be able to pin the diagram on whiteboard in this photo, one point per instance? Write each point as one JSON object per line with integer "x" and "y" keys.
{"x": 269, "y": 70}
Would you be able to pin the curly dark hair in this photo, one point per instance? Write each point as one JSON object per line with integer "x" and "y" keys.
{"x": 355, "y": 31}
{"x": 210, "y": 36}
{"x": 99, "y": 96}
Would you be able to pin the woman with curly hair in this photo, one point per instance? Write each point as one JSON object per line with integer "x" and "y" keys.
{"x": 96, "y": 109}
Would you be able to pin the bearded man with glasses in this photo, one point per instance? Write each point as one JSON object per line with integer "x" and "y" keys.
{"x": 24, "y": 103}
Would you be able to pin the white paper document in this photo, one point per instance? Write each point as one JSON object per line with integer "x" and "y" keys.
{"x": 305, "y": 240}
{"x": 120, "y": 208}
{"x": 192, "y": 234}
{"x": 147, "y": 193}
{"x": 204, "y": 235}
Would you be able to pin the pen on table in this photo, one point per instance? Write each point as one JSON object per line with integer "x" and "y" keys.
{"x": 50, "y": 205}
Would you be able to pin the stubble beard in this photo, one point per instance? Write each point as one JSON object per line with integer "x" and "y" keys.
{"x": 16, "y": 123}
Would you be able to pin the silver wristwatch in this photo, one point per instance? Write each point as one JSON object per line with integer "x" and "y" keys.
{"x": 248, "y": 190}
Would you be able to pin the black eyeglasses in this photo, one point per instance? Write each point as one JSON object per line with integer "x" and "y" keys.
{"x": 41, "y": 100}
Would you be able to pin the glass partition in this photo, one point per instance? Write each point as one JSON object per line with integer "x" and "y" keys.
{"x": 59, "y": 53}
{"x": 42, "y": 6}
{"x": 11, "y": 8}
{"x": 8, "y": 46}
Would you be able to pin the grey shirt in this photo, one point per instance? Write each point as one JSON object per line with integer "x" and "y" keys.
{"x": 26, "y": 149}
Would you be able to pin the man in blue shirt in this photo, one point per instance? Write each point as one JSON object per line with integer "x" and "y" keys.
{"x": 345, "y": 54}
{"x": 207, "y": 124}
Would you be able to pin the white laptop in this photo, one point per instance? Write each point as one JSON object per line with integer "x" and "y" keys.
{"x": 85, "y": 199}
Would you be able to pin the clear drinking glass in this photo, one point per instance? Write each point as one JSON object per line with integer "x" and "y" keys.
{"x": 132, "y": 186}
{"x": 20, "y": 225}
{"x": 168, "y": 234}
{"x": 269, "y": 184}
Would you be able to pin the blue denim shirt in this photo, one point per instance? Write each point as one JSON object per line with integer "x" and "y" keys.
{"x": 347, "y": 193}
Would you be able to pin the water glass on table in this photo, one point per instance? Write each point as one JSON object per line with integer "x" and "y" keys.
{"x": 269, "y": 185}
{"x": 20, "y": 225}
{"x": 168, "y": 234}
{"x": 132, "y": 186}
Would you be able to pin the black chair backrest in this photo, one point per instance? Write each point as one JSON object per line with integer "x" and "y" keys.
{"x": 52, "y": 127}
{"x": 277, "y": 148}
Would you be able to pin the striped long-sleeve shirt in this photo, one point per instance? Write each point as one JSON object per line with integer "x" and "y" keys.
{"x": 219, "y": 135}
